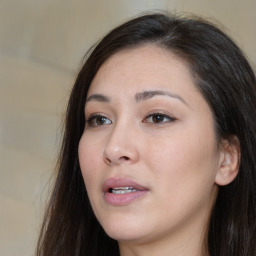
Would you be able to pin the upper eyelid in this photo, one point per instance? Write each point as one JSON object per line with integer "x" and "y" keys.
{"x": 158, "y": 113}
{"x": 95, "y": 114}
{"x": 161, "y": 112}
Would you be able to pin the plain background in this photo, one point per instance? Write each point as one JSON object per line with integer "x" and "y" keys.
{"x": 42, "y": 43}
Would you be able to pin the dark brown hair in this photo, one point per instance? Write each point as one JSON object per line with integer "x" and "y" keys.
{"x": 227, "y": 82}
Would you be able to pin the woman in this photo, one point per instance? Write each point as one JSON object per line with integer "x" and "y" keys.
{"x": 158, "y": 156}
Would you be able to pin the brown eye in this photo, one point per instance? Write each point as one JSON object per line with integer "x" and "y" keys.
{"x": 158, "y": 118}
{"x": 98, "y": 120}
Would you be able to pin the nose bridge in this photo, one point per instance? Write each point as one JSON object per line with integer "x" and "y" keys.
{"x": 120, "y": 146}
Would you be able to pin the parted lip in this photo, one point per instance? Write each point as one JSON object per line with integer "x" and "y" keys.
{"x": 121, "y": 182}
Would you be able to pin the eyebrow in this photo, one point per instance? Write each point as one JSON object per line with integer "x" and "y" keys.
{"x": 150, "y": 94}
{"x": 98, "y": 97}
{"x": 141, "y": 96}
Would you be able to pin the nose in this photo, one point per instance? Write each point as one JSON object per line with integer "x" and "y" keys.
{"x": 121, "y": 146}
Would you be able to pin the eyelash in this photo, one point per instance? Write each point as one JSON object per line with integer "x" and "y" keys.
{"x": 92, "y": 120}
{"x": 159, "y": 114}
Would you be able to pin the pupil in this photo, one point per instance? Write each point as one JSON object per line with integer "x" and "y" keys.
{"x": 158, "y": 118}
{"x": 101, "y": 120}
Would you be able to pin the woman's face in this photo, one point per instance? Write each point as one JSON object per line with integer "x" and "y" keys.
{"x": 148, "y": 153}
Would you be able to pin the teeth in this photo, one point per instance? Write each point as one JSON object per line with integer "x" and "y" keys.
{"x": 123, "y": 190}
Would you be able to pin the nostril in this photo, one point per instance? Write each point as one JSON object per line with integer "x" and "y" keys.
{"x": 107, "y": 160}
{"x": 125, "y": 158}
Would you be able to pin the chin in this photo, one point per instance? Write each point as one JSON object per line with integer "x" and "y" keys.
{"x": 121, "y": 236}
{"x": 125, "y": 230}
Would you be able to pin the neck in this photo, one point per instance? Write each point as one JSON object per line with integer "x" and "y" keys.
{"x": 192, "y": 246}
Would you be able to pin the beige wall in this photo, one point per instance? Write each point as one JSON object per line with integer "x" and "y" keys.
{"x": 41, "y": 46}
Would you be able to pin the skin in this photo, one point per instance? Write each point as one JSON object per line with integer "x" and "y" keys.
{"x": 177, "y": 159}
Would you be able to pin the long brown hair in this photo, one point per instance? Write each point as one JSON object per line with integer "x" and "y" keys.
{"x": 227, "y": 82}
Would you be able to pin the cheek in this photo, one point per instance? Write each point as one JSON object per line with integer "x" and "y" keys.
{"x": 184, "y": 161}
{"x": 88, "y": 154}
{"x": 184, "y": 172}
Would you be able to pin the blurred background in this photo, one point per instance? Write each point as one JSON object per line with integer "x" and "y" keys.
{"x": 41, "y": 47}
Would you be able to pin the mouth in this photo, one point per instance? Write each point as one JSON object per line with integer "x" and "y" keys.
{"x": 122, "y": 191}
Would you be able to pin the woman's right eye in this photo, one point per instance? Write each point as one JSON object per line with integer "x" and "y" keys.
{"x": 98, "y": 120}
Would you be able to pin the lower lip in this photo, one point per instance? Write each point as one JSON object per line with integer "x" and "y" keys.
{"x": 123, "y": 199}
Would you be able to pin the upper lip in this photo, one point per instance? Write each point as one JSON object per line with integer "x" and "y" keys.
{"x": 111, "y": 183}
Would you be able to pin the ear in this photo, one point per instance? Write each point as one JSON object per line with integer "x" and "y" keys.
{"x": 229, "y": 161}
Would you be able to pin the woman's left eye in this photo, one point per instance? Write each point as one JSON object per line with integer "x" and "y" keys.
{"x": 158, "y": 118}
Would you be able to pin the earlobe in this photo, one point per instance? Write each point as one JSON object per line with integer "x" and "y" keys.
{"x": 229, "y": 161}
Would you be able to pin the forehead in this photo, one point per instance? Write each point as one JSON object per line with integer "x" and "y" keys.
{"x": 142, "y": 68}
